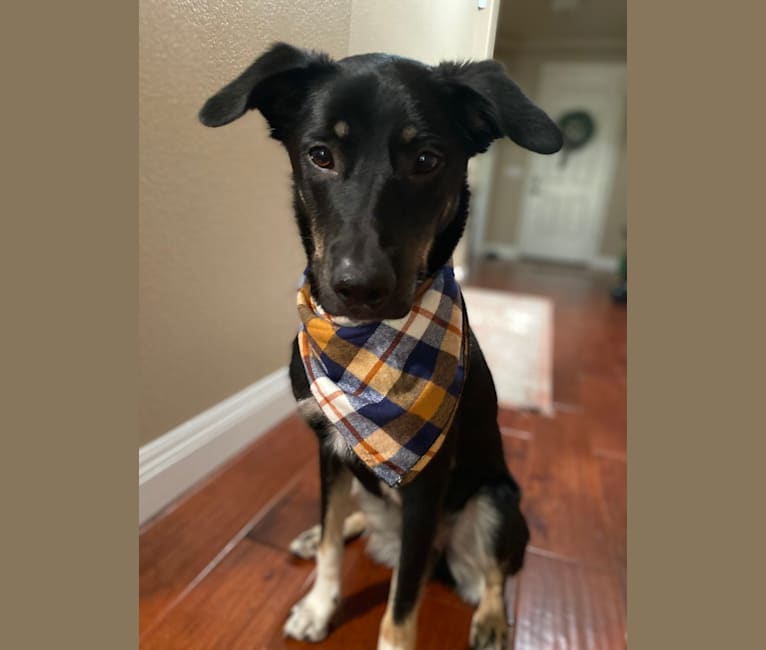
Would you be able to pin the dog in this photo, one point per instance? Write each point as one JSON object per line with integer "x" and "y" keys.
{"x": 379, "y": 147}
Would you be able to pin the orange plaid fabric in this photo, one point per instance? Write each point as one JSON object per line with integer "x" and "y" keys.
{"x": 391, "y": 387}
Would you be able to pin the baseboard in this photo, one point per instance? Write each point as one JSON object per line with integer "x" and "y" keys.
{"x": 509, "y": 252}
{"x": 170, "y": 465}
{"x": 604, "y": 263}
{"x": 505, "y": 252}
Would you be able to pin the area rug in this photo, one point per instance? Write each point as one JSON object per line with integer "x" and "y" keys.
{"x": 515, "y": 333}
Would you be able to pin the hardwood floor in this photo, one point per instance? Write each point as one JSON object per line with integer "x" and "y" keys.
{"x": 214, "y": 568}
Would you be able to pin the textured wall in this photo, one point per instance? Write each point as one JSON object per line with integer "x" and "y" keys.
{"x": 426, "y": 30}
{"x": 219, "y": 253}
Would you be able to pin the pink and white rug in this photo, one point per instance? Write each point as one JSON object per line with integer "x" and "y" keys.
{"x": 515, "y": 333}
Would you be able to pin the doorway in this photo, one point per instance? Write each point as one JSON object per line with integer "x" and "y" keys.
{"x": 564, "y": 197}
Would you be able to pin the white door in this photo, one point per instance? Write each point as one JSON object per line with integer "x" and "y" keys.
{"x": 565, "y": 195}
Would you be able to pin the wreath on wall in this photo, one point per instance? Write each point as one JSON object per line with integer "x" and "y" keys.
{"x": 577, "y": 129}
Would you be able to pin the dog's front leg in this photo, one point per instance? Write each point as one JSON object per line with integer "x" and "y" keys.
{"x": 420, "y": 508}
{"x": 309, "y": 618}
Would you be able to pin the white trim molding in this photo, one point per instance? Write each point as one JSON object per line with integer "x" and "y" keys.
{"x": 174, "y": 462}
{"x": 608, "y": 263}
{"x": 509, "y": 253}
{"x": 505, "y": 252}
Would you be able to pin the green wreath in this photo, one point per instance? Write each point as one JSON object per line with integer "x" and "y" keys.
{"x": 577, "y": 129}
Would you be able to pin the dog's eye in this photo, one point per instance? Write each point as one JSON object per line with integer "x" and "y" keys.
{"x": 322, "y": 157}
{"x": 426, "y": 162}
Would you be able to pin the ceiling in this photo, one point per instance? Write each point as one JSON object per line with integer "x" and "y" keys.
{"x": 535, "y": 21}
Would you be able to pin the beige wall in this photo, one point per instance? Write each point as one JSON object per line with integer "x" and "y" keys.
{"x": 503, "y": 222}
{"x": 424, "y": 30}
{"x": 218, "y": 249}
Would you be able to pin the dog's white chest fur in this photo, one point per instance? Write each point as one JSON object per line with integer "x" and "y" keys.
{"x": 310, "y": 411}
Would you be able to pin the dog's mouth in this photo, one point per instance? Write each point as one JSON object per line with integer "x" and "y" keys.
{"x": 369, "y": 307}
{"x": 363, "y": 313}
{"x": 349, "y": 312}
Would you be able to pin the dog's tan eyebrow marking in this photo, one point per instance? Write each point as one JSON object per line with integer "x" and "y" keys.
{"x": 341, "y": 129}
{"x": 408, "y": 133}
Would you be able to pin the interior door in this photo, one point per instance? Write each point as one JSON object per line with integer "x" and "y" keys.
{"x": 565, "y": 196}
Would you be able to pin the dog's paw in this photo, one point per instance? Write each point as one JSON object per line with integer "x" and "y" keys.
{"x": 306, "y": 544}
{"x": 488, "y": 631}
{"x": 309, "y": 619}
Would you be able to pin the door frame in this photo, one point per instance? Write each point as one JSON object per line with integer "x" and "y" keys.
{"x": 618, "y": 69}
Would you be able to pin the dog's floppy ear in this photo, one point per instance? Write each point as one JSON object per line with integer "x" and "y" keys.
{"x": 492, "y": 106}
{"x": 276, "y": 84}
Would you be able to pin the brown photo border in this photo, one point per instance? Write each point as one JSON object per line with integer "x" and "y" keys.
{"x": 70, "y": 304}
{"x": 694, "y": 157}
{"x": 70, "y": 262}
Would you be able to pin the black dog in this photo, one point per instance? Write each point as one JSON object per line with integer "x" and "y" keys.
{"x": 379, "y": 147}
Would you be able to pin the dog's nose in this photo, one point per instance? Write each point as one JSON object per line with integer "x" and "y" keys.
{"x": 362, "y": 284}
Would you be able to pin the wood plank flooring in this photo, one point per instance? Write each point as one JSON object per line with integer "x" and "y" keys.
{"x": 214, "y": 568}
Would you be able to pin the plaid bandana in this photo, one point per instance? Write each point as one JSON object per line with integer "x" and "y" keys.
{"x": 391, "y": 387}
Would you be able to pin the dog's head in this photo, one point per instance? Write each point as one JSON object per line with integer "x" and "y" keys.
{"x": 379, "y": 147}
